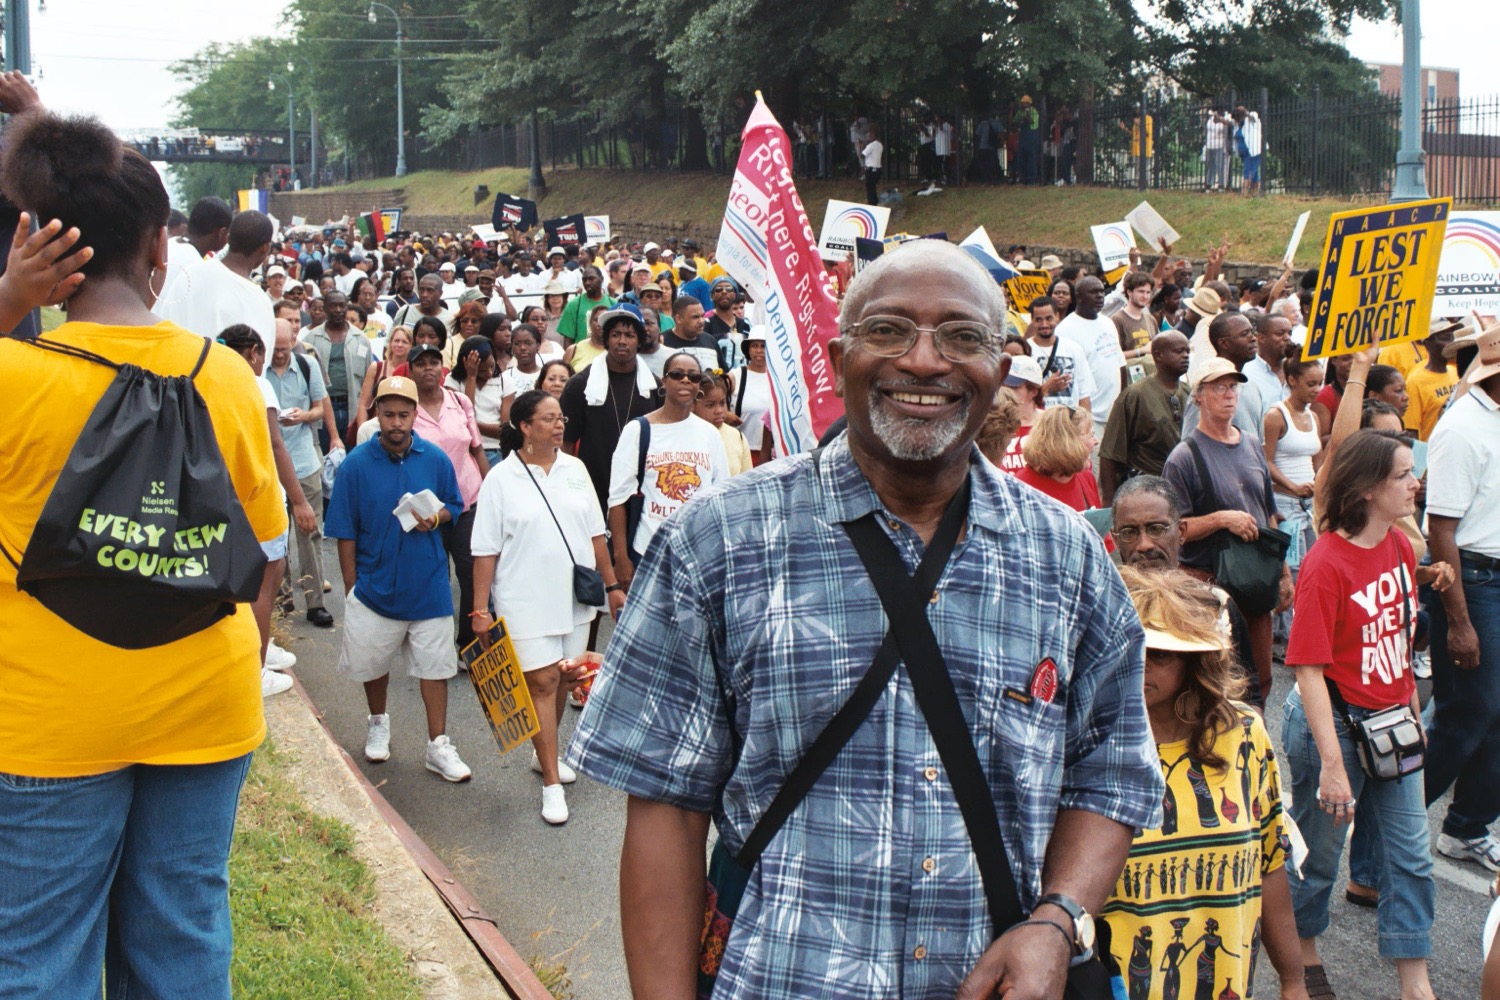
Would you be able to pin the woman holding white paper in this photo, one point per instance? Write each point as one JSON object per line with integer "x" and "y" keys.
{"x": 537, "y": 518}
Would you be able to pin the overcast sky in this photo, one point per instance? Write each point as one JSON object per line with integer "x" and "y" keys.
{"x": 110, "y": 57}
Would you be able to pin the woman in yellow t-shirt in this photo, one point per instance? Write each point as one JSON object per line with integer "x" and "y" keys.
{"x": 120, "y": 769}
{"x": 1199, "y": 896}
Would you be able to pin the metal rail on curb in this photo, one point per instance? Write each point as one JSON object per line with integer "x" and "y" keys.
{"x": 513, "y": 971}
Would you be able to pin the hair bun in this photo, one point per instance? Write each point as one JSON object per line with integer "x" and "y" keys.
{"x": 48, "y": 155}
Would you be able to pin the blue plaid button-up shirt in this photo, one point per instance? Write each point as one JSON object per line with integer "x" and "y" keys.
{"x": 752, "y": 615}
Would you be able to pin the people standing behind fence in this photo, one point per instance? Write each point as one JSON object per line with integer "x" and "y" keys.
{"x": 1218, "y": 144}
{"x": 872, "y": 158}
{"x": 1248, "y": 143}
{"x": 1065, "y": 138}
{"x": 1029, "y": 140}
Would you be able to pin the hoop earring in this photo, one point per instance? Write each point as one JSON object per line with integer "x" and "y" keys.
{"x": 661, "y": 391}
{"x": 1193, "y": 717}
{"x": 185, "y": 287}
{"x": 150, "y": 284}
{"x": 700, "y": 395}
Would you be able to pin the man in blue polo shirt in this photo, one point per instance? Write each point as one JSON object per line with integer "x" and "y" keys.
{"x": 396, "y": 581}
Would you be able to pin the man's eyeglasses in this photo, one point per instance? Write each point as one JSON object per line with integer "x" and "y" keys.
{"x": 1129, "y": 533}
{"x": 1222, "y": 388}
{"x": 678, "y": 375}
{"x": 960, "y": 341}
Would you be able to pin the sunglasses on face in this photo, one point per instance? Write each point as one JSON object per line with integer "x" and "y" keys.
{"x": 678, "y": 375}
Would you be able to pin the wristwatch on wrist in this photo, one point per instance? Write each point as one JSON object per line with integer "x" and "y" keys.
{"x": 1083, "y": 922}
{"x": 614, "y": 587}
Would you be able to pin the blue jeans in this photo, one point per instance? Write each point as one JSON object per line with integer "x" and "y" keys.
{"x": 1464, "y": 743}
{"x": 1398, "y": 819}
{"x": 125, "y": 873}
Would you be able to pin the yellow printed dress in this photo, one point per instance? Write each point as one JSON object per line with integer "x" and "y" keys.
{"x": 1184, "y": 918}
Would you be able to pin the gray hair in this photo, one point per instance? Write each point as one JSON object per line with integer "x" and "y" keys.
{"x": 1154, "y": 486}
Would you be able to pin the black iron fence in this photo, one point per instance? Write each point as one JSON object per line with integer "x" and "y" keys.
{"x": 1337, "y": 146}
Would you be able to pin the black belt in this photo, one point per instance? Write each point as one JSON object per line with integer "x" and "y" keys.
{"x": 1478, "y": 561}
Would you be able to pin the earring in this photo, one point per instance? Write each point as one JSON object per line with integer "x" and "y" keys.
{"x": 700, "y": 394}
{"x": 661, "y": 391}
{"x": 151, "y": 283}
{"x": 1191, "y": 717}
{"x": 528, "y": 448}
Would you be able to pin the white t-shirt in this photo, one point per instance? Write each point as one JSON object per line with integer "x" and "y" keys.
{"x": 682, "y": 460}
{"x": 533, "y": 588}
{"x": 268, "y": 392}
{"x": 1463, "y": 471}
{"x": 520, "y": 381}
{"x": 211, "y": 297}
{"x": 487, "y": 400}
{"x": 943, "y": 140}
{"x": 755, "y": 404}
{"x": 1070, "y": 360}
{"x": 873, "y": 152}
{"x": 657, "y": 359}
{"x": 515, "y": 284}
{"x": 1099, "y": 340}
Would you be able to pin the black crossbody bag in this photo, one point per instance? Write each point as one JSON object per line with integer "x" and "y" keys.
{"x": 910, "y": 639}
{"x": 1250, "y": 572}
{"x": 588, "y": 583}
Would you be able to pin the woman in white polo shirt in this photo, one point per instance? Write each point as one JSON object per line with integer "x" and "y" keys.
{"x": 536, "y": 517}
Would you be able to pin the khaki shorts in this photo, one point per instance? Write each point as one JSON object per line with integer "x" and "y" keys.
{"x": 545, "y": 650}
{"x": 372, "y": 641}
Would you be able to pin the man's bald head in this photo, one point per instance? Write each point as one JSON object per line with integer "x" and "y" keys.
{"x": 284, "y": 334}
{"x": 925, "y": 256}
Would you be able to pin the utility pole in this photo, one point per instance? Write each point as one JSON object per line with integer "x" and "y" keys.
{"x": 18, "y": 35}
{"x": 1410, "y": 183}
{"x": 291, "y": 126}
{"x": 536, "y": 184}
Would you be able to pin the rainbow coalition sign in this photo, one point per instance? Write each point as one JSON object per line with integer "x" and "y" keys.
{"x": 1376, "y": 279}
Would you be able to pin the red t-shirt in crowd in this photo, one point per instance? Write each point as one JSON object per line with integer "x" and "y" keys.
{"x": 1012, "y": 461}
{"x": 1081, "y": 492}
{"x": 1355, "y": 612}
{"x": 1329, "y": 397}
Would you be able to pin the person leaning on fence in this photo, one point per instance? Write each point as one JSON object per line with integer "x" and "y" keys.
{"x": 752, "y": 619}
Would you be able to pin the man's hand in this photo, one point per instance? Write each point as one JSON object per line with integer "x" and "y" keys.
{"x": 17, "y": 95}
{"x": 624, "y": 573}
{"x": 1240, "y": 524}
{"x": 1463, "y": 644}
{"x": 1056, "y": 383}
{"x": 1286, "y": 591}
{"x": 303, "y": 516}
{"x": 292, "y": 416}
{"x": 1440, "y": 576}
{"x": 1027, "y": 963}
{"x": 428, "y": 523}
{"x": 616, "y": 599}
{"x": 42, "y": 270}
{"x": 1304, "y": 490}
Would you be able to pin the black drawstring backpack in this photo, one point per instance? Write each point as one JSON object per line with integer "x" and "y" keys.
{"x": 142, "y": 541}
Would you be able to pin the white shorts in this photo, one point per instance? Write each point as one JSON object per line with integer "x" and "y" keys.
{"x": 276, "y": 548}
{"x": 545, "y": 650}
{"x": 371, "y": 642}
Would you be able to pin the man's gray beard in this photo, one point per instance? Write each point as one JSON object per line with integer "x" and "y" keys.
{"x": 912, "y": 439}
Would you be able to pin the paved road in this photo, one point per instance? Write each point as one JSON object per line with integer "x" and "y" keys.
{"x": 553, "y": 890}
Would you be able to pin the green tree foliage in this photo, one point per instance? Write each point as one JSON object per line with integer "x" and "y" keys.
{"x": 227, "y": 89}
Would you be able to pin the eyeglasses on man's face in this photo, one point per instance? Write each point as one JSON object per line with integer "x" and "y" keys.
{"x": 960, "y": 341}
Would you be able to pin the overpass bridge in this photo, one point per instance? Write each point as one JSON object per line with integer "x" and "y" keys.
{"x": 204, "y": 146}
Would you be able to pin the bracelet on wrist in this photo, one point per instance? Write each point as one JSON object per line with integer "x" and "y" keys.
{"x": 481, "y": 613}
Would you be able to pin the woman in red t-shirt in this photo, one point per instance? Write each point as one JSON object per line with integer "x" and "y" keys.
{"x": 1057, "y": 459}
{"x": 1356, "y": 612}
{"x": 1024, "y": 384}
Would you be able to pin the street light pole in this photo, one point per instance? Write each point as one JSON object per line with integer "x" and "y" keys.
{"x": 536, "y": 184}
{"x": 291, "y": 128}
{"x": 1410, "y": 183}
{"x": 400, "y": 89}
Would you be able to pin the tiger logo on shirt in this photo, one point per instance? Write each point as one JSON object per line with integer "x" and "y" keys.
{"x": 678, "y": 481}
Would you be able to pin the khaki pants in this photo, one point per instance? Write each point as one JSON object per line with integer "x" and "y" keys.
{"x": 309, "y": 571}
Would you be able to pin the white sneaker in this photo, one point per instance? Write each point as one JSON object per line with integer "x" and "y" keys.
{"x": 444, "y": 760}
{"x": 554, "y": 805}
{"x": 278, "y": 658}
{"x": 1485, "y": 850}
{"x": 378, "y": 738}
{"x": 327, "y": 587}
{"x": 273, "y": 683}
{"x": 565, "y": 774}
{"x": 1421, "y": 665}
{"x": 575, "y": 701}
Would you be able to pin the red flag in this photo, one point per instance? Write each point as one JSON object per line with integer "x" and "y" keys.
{"x": 767, "y": 244}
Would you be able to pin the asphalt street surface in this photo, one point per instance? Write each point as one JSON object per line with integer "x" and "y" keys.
{"x": 553, "y": 891}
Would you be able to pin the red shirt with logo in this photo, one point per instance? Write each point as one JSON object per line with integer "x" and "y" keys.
{"x": 1355, "y": 612}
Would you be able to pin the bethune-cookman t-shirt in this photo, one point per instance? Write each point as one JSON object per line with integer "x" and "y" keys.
{"x": 1355, "y": 612}
{"x": 682, "y": 460}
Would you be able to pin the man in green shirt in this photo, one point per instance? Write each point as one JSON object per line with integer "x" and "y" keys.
{"x": 1145, "y": 423}
{"x": 573, "y": 324}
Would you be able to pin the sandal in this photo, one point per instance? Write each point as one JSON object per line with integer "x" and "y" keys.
{"x": 1317, "y": 983}
{"x": 1369, "y": 900}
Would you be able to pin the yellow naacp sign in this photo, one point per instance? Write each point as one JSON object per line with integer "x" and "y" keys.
{"x": 1026, "y": 286}
{"x": 1377, "y": 277}
{"x": 501, "y": 687}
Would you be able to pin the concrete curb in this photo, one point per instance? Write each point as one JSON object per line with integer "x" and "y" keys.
{"x": 451, "y": 961}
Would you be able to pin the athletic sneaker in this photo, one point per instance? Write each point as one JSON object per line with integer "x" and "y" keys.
{"x": 378, "y": 738}
{"x": 278, "y": 658}
{"x": 565, "y": 774}
{"x": 1485, "y": 850}
{"x": 273, "y": 683}
{"x": 1421, "y": 665}
{"x": 444, "y": 760}
{"x": 554, "y": 805}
